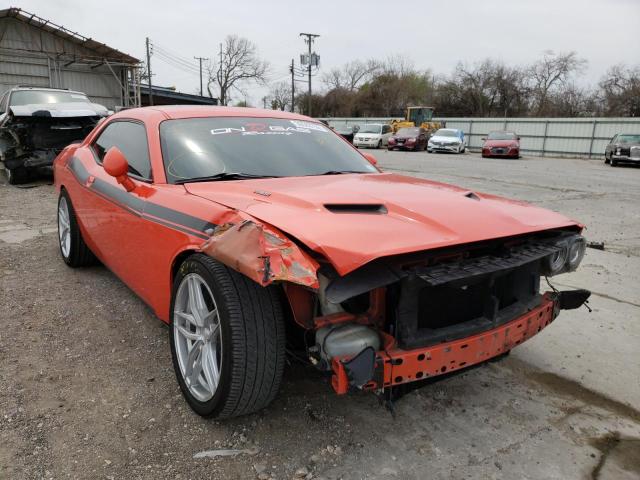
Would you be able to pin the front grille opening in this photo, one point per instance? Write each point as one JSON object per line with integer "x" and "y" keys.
{"x": 366, "y": 208}
{"x": 428, "y": 315}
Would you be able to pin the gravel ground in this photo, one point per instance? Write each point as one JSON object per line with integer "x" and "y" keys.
{"x": 88, "y": 391}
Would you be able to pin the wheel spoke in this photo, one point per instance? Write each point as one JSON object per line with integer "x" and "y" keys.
{"x": 194, "y": 362}
{"x": 210, "y": 367}
{"x": 210, "y": 316}
{"x": 196, "y": 301}
{"x": 187, "y": 334}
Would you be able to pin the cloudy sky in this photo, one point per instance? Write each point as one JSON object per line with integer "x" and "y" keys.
{"x": 434, "y": 34}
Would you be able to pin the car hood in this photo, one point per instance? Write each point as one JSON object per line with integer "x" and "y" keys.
{"x": 444, "y": 139}
{"x": 368, "y": 135}
{"x": 500, "y": 143}
{"x": 59, "y": 110}
{"x": 414, "y": 214}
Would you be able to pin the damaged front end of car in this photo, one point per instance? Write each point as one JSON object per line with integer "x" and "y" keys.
{"x": 401, "y": 319}
{"x": 408, "y": 317}
{"x": 33, "y": 140}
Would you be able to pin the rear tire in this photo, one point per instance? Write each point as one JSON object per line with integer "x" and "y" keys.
{"x": 74, "y": 251}
{"x": 17, "y": 176}
{"x": 250, "y": 323}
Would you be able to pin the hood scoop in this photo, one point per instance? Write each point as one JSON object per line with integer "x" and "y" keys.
{"x": 366, "y": 208}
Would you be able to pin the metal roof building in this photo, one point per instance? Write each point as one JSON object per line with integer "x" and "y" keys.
{"x": 37, "y": 52}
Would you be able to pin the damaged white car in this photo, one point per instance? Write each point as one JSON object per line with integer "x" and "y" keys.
{"x": 37, "y": 123}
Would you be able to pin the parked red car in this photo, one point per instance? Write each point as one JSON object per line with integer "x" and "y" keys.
{"x": 501, "y": 144}
{"x": 412, "y": 138}
{"x": 245, "y": 228}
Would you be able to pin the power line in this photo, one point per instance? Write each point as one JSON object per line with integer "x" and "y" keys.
{"x": 176, "y": 61}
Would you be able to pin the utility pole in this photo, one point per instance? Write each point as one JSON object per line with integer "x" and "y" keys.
{"x": 223, "y": 101}
{"x": 293, "y": 85}
{"x": 200, "y": 59}
{"x": 264, "y": 102}
{"x": 149, "y": 71}
{"x": 309, "y": 41}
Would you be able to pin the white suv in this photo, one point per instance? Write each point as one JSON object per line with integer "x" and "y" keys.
{"x": 374, "y": 135}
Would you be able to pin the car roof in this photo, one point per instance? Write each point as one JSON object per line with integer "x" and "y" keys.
{"x": 44, "y": 89}
{"x": 172, "y": 112}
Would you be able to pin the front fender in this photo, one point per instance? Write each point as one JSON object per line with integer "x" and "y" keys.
{"x": 260, "y": 252}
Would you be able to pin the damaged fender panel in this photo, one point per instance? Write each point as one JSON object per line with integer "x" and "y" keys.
{"x": 261, "y": 253}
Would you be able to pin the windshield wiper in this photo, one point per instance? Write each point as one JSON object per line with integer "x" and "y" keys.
{"x": 222, "y": 176}
{"x": 339, "y": 172}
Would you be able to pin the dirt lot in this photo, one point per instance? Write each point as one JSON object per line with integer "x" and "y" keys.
{"x": 87, "y": 389}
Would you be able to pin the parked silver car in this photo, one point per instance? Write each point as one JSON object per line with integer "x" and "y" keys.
{"x": 373, "y": 135}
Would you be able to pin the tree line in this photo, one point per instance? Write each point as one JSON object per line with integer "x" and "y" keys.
{"x": 490, "y": 88}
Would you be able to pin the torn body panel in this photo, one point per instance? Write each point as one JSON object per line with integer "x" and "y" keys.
{"x": 261, "y": 253}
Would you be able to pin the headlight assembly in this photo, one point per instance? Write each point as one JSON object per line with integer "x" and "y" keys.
{"x": 570, "y": 252}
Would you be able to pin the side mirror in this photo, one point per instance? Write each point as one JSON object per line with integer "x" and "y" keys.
{"x": 518, "y": 138}
{"x": 372, "y": 160}
{"x": 116, "y": 165}
{"x": 484, "y": 139}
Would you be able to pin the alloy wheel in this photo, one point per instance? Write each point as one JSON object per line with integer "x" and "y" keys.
{"x": 64, "y": 227}
{"x": 197, "y": 337}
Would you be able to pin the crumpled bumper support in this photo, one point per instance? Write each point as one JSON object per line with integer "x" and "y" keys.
{"x": 394, "y": 366}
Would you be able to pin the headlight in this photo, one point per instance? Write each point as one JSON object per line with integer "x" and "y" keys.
{"x": 618, "y": 151}
{"x": 568, "y": 256}
{"x": 576, "y": 253}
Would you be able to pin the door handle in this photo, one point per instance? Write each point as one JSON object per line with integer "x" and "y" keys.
{"x": 90, "y": 180}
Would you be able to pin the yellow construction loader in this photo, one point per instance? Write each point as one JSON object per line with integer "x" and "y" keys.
{"x": 418, "y": 117}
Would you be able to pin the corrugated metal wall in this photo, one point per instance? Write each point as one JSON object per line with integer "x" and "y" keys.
{"x": 28, "y": 56}
{"x": 572, "y": 137}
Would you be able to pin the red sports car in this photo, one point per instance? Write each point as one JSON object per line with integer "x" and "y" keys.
{"x": 501, "y": 144}
{"x": 244, "y": 229}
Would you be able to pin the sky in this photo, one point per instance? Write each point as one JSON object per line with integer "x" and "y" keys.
{"x": 435, "y": 35}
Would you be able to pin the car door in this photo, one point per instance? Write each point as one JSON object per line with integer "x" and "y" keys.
{"x": 110, "y": 215}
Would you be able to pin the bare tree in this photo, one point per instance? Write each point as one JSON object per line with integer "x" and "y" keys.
{"x": 351, "y": 75}
{"x": 550, "y": 73}
{"x": 237, "y": 63}
{"x": 620, "y": 91}
{"x": 280, "y": 96}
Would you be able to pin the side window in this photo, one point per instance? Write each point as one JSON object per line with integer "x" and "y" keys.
{"x": 386, "y": 129}
{"x": 131, "y": 139}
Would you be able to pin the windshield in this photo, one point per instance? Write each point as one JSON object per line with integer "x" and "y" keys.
{"x": 629, "y": 139}
{"x": 272, "y": 147}
{"x": 446, "y": 133}
{"x": 29, "y": 97}
{"x": 408, "y": 132}
{"x": 502, "y": 136}
{"x": 371, "y": 129}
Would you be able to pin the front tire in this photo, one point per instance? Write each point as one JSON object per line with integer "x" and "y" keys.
{"x": 614, "y": 163}
{"x": 17, "y": 176}
{"x": 73, "y": 249}
{"x": 227, "y": 339}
